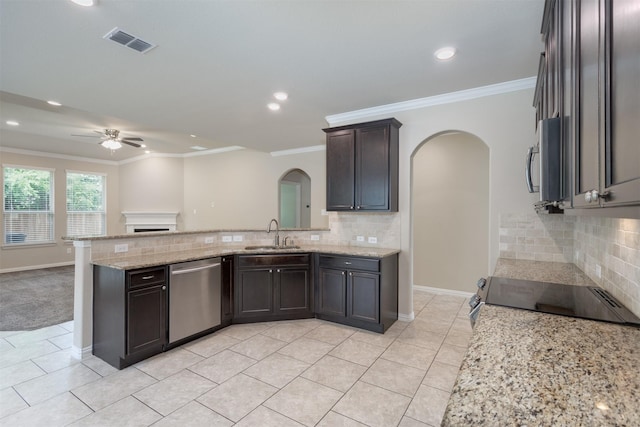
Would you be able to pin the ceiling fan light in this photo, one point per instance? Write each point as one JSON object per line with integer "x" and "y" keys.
{"x": 84, "y": 2}
{"x": 111, "y": 144}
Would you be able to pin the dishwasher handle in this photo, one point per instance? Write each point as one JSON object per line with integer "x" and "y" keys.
{"x": 194, "y": 269}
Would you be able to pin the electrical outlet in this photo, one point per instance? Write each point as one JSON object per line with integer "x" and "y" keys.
{"x": 315, "y": 237}
{"x": 598, "y": 271}
{"x": 373, "y": 240}
{"x": 227, "y": 238}
{"x": 360, "y": 238}
{"x": 208, "y": 239}
{"x": 121, "y": 248}
{"x": 237, "y": 238}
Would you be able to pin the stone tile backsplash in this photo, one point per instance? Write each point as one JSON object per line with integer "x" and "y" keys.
{"x": 606, "y": 249}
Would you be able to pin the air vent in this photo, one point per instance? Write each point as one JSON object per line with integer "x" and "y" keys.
{"x": 606, "y": 296}
{"x": 126, "y": 39}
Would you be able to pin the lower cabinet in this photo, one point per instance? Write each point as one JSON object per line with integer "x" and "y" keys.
{"x": 361, "y": 292}
{"x": 227, "y": 290}
{"x": 129, "y": 314}
{"x": 272, "y": 287}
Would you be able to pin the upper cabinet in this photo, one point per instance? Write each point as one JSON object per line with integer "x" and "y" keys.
{"x": 362, "y": 167}
{"x": 590, "y": 76}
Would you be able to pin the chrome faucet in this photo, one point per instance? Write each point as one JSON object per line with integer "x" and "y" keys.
{"x": 276, "y": 241}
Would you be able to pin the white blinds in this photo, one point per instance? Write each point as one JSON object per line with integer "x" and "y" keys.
{"x": 86, "y": 205}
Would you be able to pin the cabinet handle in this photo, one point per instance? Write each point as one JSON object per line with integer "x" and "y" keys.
{"x": 343, "y": 273}
{"x": 270, "y": 271}
{"x": 358, "y": 207}
{"x": 164, "y": 288}
{"x": 148, "y": 277}
{"x": 350, "y": 207}
{"x": 351, "y": 274}
{"x": 347, "y": 263}
{"x": 278, "y": 270}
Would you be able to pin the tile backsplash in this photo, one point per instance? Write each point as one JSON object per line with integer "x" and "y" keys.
{"x": 606, "y": 249}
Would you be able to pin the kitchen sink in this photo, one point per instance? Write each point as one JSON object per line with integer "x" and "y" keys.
{"x": 270, "y": 248}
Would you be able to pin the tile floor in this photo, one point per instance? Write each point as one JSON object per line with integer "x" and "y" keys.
{"x": 293, "y": 373}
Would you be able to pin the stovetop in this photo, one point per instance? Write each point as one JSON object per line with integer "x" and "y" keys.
{"x": 585, "y": 302}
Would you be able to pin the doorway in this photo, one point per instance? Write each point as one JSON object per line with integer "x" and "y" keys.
{"x": 450, "y": 211}
{"x": 294, "y": 189}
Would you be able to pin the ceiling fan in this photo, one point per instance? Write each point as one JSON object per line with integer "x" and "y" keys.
{"x": 112, "y": 141}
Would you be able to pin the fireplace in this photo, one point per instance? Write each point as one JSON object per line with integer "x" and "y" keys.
{"x": 137, "y": 222}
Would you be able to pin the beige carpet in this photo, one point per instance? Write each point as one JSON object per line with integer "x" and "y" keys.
{"x": 36, "y": 298}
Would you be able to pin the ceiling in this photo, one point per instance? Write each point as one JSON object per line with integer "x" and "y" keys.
{"x": 217, "y": 64}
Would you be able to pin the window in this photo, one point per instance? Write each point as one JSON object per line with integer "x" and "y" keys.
{"x": 86, "y": 206}
{"x": 28, "y": 205}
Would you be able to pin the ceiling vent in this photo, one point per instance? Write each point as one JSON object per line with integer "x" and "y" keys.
{"x": 126, "y": 39}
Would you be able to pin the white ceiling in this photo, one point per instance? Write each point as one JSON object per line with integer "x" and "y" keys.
{"x": 218, "y": 63}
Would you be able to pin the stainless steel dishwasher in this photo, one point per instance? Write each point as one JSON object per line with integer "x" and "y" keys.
{"x": 194, "y": 297}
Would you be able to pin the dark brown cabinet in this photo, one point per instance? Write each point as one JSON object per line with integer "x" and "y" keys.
{"x": 362, "y": 166}
{"x": 227, "y": 290}
{"x": 129, "y": 314}
{"x": 361, "y": 292}
{"x": 272, "y": 287}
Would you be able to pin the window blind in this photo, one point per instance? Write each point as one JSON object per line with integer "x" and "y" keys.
{"x": 86, "y": 205}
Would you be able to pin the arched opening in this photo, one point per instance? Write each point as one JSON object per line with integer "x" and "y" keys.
{"x": 294, "y": 189}
{"x": 450, "y": 211}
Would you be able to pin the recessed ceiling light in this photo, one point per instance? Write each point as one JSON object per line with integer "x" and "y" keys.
{"x": 281, "y": 96}
{"x": 54, "y": 103}
{"x": 147, "y": 152}
{"x": 445, "y": 53}
{"x": 192, "y": 136}
{"x": 12, "y": 123}
{"x": 199, "y": 148}
{"x": 273, "y": 106}
{"x": 143, "y": 146}
{"x": 84, "y": 2}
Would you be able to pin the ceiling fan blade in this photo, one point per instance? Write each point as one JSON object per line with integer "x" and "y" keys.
{"x": 87, "y": 136}
{"x": 133, "y": 144}
{"x": 132, "y": 139}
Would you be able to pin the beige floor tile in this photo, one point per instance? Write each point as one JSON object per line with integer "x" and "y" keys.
{"x": 416, "y": 336}
{"x": 244, "y": 331}
{"x": 410, "y": 422}
{"x": 10, "y": 402}
{"x": 357, "y": 352}
{"x": 258, "y": 346}
{"x": 237, "y": 397}
{"x": 426, "y": 323}
{"x": 451, "y": 354}
{"x": 462, "y": 325}
{"x": 169, "y": 363}
{"x": 394, "y": 377}
{"x": 331, "y": 334}
{"x": 42, "y": 388}
{"x": 441, "y": 376}
{"x": 373, "y": 406}
{"x": 67, "y": 325}
{"x": 304, "y": 401}
{"x": 194, "y": 415}
{"x": 63, "y": 341}
{"x": 58, "y": 411}
{"x": 222, "y": 366}
{"x": 410, "y": 355}
{"x": 306, "y": 350}
{"x": 428, "y": 405}
{"x": 458, "y": 338}
{"x": 4, "y": 345}
{"x": 98, "y": 365}
{"x": 19, "y": 373}
{"x": 30, "y": 351}
{"x": 287, "y": 331}
{"x": 381, "y": 340}
{"x": 265, "y": 417}
{"x": 211, "y": 344}
{"x": 126, "y": 412}
{"x": 335, "y": 373}
{"x": 333, "y": 419}
{"x": 108, "y": 390}
{"x": 55, "y": 361}
{"x": 277, "y": 369}
{"x": 174, "y": 392}
{"x": 29, "y": 337}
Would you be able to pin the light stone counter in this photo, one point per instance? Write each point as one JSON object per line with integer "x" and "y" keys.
{"x": 152, "y": 260}
{"x": 537, "y": 369}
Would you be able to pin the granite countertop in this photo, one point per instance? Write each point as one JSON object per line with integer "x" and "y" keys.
{"x": 153, "y": 260}
{"x": 183, "y": 233}
{"x": 530, "y": 368}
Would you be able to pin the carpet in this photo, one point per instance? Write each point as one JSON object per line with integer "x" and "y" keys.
{"x": 34, "y": 299}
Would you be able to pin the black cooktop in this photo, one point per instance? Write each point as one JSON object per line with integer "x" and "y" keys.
{"x": 577, "y": 301}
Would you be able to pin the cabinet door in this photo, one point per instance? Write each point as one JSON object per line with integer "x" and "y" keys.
{"x": 254, "y": 293}
{"x": 227, "y": 288}
{"x": 332, "y": 292}
{"x": 364, "y": 296}
{"x": 621, "y": 150}
{"x": 146, "y": 318}
{"x": 292, "y": 290}
{"x": 587, "y": 136}
{"x": 372, "y": 168}
{"x": 340, "y": 170}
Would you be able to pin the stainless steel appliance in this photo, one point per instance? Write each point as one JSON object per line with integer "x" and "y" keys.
{"x": 194, "y": 297}
{"x": 587, "y": 302}
{"x": 549, "y": 171}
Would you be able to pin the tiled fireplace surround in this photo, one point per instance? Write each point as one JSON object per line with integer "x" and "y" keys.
{"x": 589, "y": 242}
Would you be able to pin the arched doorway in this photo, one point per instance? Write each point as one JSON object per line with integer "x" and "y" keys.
{"x": 450, "y": 211}
{"x": 294, "y": 189}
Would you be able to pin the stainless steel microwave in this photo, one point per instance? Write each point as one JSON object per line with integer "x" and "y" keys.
{"x": 548, "y": 164}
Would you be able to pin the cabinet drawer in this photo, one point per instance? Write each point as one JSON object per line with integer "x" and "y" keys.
{"x": 141, "y": 278}
{"x": 247, "y": 261}
{"x": 350, "y": 263}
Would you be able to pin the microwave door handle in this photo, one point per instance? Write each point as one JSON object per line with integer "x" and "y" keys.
{"x": 527, "y": 170}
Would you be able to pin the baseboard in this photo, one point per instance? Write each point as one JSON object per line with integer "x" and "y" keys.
{"x": 36, "y": 267}
{"x": 406, "y": 317}
{"x": 81, "y": 353}
{"x": 441, "y": 291}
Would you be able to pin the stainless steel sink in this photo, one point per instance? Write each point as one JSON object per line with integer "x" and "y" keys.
{"x": 270, "y": 248}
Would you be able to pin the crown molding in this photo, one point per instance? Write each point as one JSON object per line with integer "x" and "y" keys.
{"x": 447, "y": 98}
{"x": 298, "y": 150}
{"x": 57, "y": 156}
{"x": 214, "y": 151}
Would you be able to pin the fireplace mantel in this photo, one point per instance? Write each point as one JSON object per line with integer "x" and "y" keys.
{"x": 141, "y": 221}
